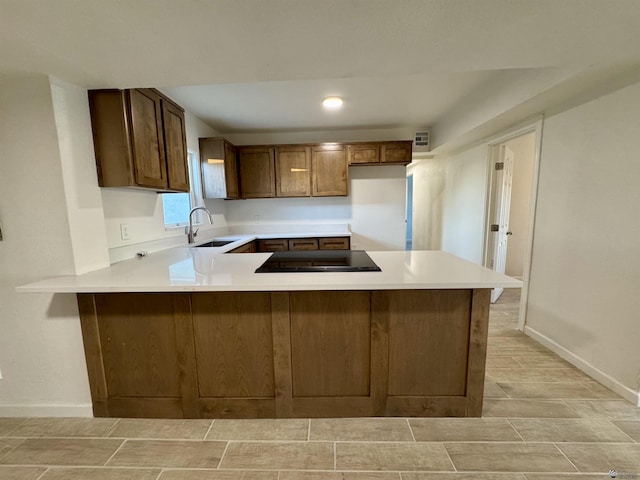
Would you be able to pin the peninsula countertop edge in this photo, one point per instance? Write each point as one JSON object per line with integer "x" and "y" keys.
{"x": 197, "y": 269}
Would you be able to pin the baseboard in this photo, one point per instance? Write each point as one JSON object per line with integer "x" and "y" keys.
{"x": 598, "y": 375}
{"x": 82, "y": 410}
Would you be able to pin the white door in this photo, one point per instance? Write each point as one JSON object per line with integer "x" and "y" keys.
{"x": 504, "y": 170}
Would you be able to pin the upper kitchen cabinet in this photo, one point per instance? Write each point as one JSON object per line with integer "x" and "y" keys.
{"x": 257, "y": 172}
{"x": 139, "y": 140}
{"x": 219, "y": 168}
{"x": 376, "y": 153}
{"x": 395, "y": 152}
{"x": 363, "y": 153}
{"x": 293, "y": 171}
{"x": 329, "y": 170}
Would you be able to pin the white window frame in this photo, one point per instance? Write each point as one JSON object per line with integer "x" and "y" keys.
{"x": 195, "y": 192}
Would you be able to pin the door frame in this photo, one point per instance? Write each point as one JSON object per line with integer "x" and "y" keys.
{"x": 493, "y": 153}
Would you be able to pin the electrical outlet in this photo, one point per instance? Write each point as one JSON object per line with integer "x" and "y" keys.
{"x": 124, "y": 231}
{"x": 257, "y": 218}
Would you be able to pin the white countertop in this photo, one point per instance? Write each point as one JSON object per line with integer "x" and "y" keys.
{"x": 192, "y": 269}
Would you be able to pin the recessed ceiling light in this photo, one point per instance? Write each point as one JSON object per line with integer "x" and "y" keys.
{"x": 332, "y": 102}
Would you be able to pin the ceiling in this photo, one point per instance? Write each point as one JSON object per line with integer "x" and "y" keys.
{"x": 265, "y": 65}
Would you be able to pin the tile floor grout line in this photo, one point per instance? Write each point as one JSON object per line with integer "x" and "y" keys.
{"x": 209, "y": 429}
{"x": 160, "y": 473}
{"x": 515, "y": 429}
{"x": 45, "y": 471}
{"x": 11, "y": 449}
{"x": 411, "y": 430}
{"x": 226, "y": 447}
{"x": 568, "y": 459}
{"x": 112, "y": 428}
{"x": 335, "y": 456}
{"x": 114, "y": 453}
{"x": 455, "y": 469}
{"x": 25, "y": 420}
{"x": 309, "y": 431}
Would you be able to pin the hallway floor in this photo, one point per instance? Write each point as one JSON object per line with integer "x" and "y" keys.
{"x": 543, "y": 419}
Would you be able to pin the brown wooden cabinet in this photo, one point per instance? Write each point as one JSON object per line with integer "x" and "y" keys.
{"x": 334, "y": 243}
{"x": 273, "y": 245}
{"x": 257, "y": 172}
{"x": 363, "y": 153}
{"x": 219, "y": 168}
{"x": 360, "y": 353}
{"x": 139, "y": 140}
{"x": 305, "y": 243}
{"x": 377, "y": 153}
{"x": 293, "y": 171}
{"x": 246, "y": 248}
{"x": 329, "y": 169}
{"x": 395, "y": 152}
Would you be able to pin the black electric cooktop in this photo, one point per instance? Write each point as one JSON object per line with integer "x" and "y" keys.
{"x": 319, "y": 261}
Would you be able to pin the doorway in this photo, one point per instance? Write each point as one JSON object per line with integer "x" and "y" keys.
{"x": 513, "y": 163}
{"x": 409, "y": 214}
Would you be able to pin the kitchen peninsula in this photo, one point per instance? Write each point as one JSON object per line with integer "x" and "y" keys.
{"x": 196, "y": 333}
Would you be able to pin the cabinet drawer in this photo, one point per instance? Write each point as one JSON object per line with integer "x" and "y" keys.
{"x": 303, "y": 244}
{"x": 273, "y": 245}
{"x": 246, "y": 248}
{"x": 334, "y": 243}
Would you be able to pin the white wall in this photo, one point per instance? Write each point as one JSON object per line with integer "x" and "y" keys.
{"x": 464, "y": 203}
{"x": 523, "y": 148}
{"x": 41, "y": 354}
{"x": 428, "y": 197}
{"x": 585, "y": 276}
{"x": 374, "y": 209}
{"x": 82, "y": 194}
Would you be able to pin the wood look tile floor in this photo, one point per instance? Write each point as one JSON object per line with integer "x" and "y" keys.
{"x": 542, "y": 420}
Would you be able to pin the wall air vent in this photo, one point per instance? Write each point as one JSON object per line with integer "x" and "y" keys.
{"x": 422, "y": 141}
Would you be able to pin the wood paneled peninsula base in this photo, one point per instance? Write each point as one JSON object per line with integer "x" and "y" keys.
{"x": 286, "y": 354}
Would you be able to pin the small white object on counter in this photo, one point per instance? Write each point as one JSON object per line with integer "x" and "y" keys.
{"x": 191, "y": 269}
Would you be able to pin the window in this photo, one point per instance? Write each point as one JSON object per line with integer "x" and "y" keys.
{"x": 176, "y": 206}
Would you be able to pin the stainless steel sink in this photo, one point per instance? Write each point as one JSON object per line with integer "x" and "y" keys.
{"x": 215, "y": 243}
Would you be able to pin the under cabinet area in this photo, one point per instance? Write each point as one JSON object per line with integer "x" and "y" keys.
{"x": 139, "y": 140}
{"x": 286, "y": 354}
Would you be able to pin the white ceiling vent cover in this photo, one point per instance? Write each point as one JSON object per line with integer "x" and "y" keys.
{"x": 422, "y": 141}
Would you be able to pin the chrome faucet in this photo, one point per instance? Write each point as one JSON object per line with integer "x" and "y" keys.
{"x": 191, "y": 235}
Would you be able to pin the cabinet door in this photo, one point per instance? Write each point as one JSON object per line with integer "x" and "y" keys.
{"x": 231, "y": 171}
{"x": 147, "y": 139}
{"x": 293, "y": 171}
{"x": 303, "y": 244}
{"x": 329, "y": 171}
{"x": 219, "y": 168}
{"x": 273, "y": 245}
{"x": 395, "y": 152}
{"x": 175, "y": 143}
{"x": 363, "y": 153}
{"x": 246, "y": 248}
{"x": 257, "y": 177}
